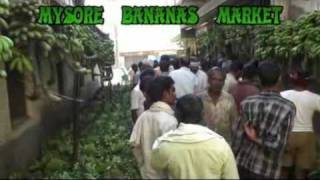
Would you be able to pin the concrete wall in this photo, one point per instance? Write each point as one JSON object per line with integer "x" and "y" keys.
{"x": 293, "y": 8}
{"x": 5, "y": 123}
{"x": 45, "y": 116}
{"x": 133, "y": 59}
{"x": 296, "y": 8}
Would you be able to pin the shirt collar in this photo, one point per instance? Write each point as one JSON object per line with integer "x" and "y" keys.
{"x": 187, "y": 133}
{"x": 270, "y": 92}
{"x": 161, "y": 106}
{"x": 185, "y": 68}
{"x": 222, "y": 94}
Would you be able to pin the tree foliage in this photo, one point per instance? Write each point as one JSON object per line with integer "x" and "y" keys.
{"x": 299, "y": 39}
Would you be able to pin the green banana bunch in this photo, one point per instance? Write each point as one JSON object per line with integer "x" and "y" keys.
{"x": 3, "y": 73}
{"x": 5, "y": 48}
{"x": 4, "y": 3}
{"x": 75, "y": 45}
{"x": 20, "y": 62}
{"x": 26, "y": 32}
{"x": 26, "y": 10}
{"x": 23, "y": 27}
{"x": 4, "y": 7}
{"x": 3, "y": 24}
{"x": 58, "y": 45}
{"x": 4, "y": 12}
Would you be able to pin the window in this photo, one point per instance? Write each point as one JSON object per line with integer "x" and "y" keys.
{"x": 17, "y": 99}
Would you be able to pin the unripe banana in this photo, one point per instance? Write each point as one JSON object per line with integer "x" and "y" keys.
{"x": 4, "y": 44}
{"x": 3, "y": 73}
{"x": 31, "y": 35}
{"x": 24, "y": 37}
{"x": 8, "y": 40}
{"x": 4, "y": 3}
{"x": 1, "y": 46}
{"x": 46, "y": 46}
{"x": 3, "y": 24}
{"x": 38, "y": 35}
{"x": 24, "y": 29}
{"x": 15, "y": 24}
{"x": 5, "y": 56}
{"x": 2, "y": 10}
{"x": 20, "y": 65}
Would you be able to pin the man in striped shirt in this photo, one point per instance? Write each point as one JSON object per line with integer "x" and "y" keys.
{"x": 260, "y": 135}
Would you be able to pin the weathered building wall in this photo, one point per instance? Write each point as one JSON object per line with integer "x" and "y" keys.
{"x": 297, "y": 8}
{"x": 5, "y": 124}
{"x": 44, "y": 116}
{"x": 35, "y": 116}
{"x": 22, "y": 146}
{"x": 133, "y": 59}
{"x": 293, "y": 8}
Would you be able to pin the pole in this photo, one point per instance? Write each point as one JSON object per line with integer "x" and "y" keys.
{"x": 75, "y": 118}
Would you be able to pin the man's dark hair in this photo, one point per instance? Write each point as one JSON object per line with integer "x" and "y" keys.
{"x": 155, "y": 63}
{"x": 145, "y": 83}
{"x": 269, "y": 73}
{"x": 185, "y": 62}
{"x": 134, "y": 65}
{"x": 212, "y": 63}
{"x": 158, "y": 86}
{"x": 164, "y": 63}
{"x": 189, "y": 109}
{"x": 250, "y": 71}
{"x": 165, "y": 58}
{"x": 140, "y": 65}
{"x": 147, "y": 72}
{"x": 176, "y": 62}
{"x": 205, "y": 65}
{"x": 236, "y": 65}
{"x": 194, "y": 59}
{"x": 302, "y": 77}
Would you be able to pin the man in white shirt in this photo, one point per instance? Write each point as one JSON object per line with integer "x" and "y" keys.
{"x": 153, "y": 123}
{"x": 301, "y": 151}
{"x": 164, "y": 66}
{"x": 142, "y": 65}
{"x": 137, "y": 97}
{"x": 202, "y": 77}
{"x": 232, "y": 76}
{"x": 132, "y": 75}
{"x": 184, "y": 80}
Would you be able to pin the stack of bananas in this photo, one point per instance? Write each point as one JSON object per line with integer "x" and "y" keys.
{"x": 23, "y": 27}
{"x": 67, "y": 43}
{"x": 6, "y": 45}
{"x": 59, "y": 46}
{"x": 25, "y": 10}
{"x": 16, "y": 60}
{"x": 4, "y": 12}
{"x": 20, "y": 62}
{"x": 74, "y": 44}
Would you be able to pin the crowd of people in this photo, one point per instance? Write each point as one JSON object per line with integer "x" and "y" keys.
{"x": 229, "y": 120}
